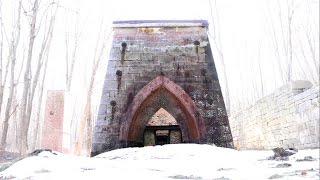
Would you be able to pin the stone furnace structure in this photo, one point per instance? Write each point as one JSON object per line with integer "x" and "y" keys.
{"x": 160, "y": 67}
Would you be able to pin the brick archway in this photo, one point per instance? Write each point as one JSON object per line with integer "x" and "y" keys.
{"x": 161, "y": 93}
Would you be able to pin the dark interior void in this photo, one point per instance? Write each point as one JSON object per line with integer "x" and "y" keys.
{"x": 160, "y": 135}
{"x": 161, "y": 140}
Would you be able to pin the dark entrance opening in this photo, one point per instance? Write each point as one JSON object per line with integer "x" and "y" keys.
{"x": 161, "y": 140}
{"x": 162, "y": 129}
{"x": 160, "y": 135}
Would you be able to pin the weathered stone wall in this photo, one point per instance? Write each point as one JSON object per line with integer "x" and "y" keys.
{"x": 287, "y": 118}
{"x": 179, "y": 51}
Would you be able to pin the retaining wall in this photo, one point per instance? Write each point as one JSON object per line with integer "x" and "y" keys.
{"x": 287, "y": 118}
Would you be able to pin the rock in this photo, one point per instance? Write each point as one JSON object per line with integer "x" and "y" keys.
{"x": 306, "y": 158}
{"x": 7, "y": 159}
{"x": 293, "y": 149}
{"x": 278, "y": 158}
{"x": 304, "y": 173}
{"x": 8, "y": 156}
{"x": 186, "y": 177}
{"x": 283, "y": 165}
{"x": 275, "y": 176}
{"x": 38, "y": 151}
{"x": 281, "y": 154}
{"x": 299, "y": 84}
{"x": 225, "y": 169}
{"x": 222, "y": 178}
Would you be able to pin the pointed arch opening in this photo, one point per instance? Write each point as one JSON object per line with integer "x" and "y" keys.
{"x": 161, "y": 93}
{"x": 162, "y": 129}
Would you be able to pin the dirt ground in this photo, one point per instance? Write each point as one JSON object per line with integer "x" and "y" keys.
{"x": 7, "y": 156}
{"x": 7, "y": 159}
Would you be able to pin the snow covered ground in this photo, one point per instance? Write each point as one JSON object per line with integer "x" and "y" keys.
{"x": 180, "y": 161}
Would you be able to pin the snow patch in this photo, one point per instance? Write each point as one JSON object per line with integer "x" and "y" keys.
{"x": 174, "y": 161}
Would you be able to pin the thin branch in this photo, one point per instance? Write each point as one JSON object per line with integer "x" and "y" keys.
{"x": 14, "y": 110}
{"x": 312, "y": 51}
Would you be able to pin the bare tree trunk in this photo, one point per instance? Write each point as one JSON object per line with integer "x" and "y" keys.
{"x": 23, "y": 130}
{"x": 277, "y": 52}
{"x": 218, "y": 46}
{"x": 3, "y": 79}
{"x": 14, "y": 44}
{"x": 1, "y": 49}
{"x": 69, "y": 72}
{"x": 73, "y": 60}
{"x": 313, "y": 54}
{"x": 302, "y": 70}
{"x": 15, "y": 120}
{"x": 290, "y": 51}
{"x": 305, "y": 59}
{"x": 44, "y": 50}
{"x": 86, "y": 118}
{"x": 37, "y": 119}
{"x": 89, "y": 132}
{"x": 66, "y": 42}
{"x": 260, "y": 72}
{"x": 29, "y": 89}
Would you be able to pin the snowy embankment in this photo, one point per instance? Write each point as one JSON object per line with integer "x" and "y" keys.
{"x": 181, "y": 161}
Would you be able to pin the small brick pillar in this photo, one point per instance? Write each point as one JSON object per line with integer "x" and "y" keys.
{"x": 52, "y": 130}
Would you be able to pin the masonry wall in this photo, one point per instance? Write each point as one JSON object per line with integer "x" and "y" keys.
{"x": 287, "y": 118}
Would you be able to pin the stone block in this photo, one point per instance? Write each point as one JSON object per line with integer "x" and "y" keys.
{"x": 300, "y": 84}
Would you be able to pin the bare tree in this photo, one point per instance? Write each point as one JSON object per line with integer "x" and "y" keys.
{"x": 29, "y": 88}
{"x": 1, "y": 49}
{"x": 40, "y": 95}
{"x": 3, "y": 77}
{"x": 86, "y": 119}
{"x": 218, "y": 46}
{"x": 70, "y": 68}
{"x": 276, "y": 49}
{"x": 24, "y": 123}
{"x": 260, "y": 71}
{"x": 15, "y": 37}
{"x": 285, "y": 38}
{"x": 290, "y": 12}
{"x": 315, "y": 62}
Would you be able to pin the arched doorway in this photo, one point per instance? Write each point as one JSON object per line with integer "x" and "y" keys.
{"x": 162, "y": 129}
{"x": 161, "y": 93}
